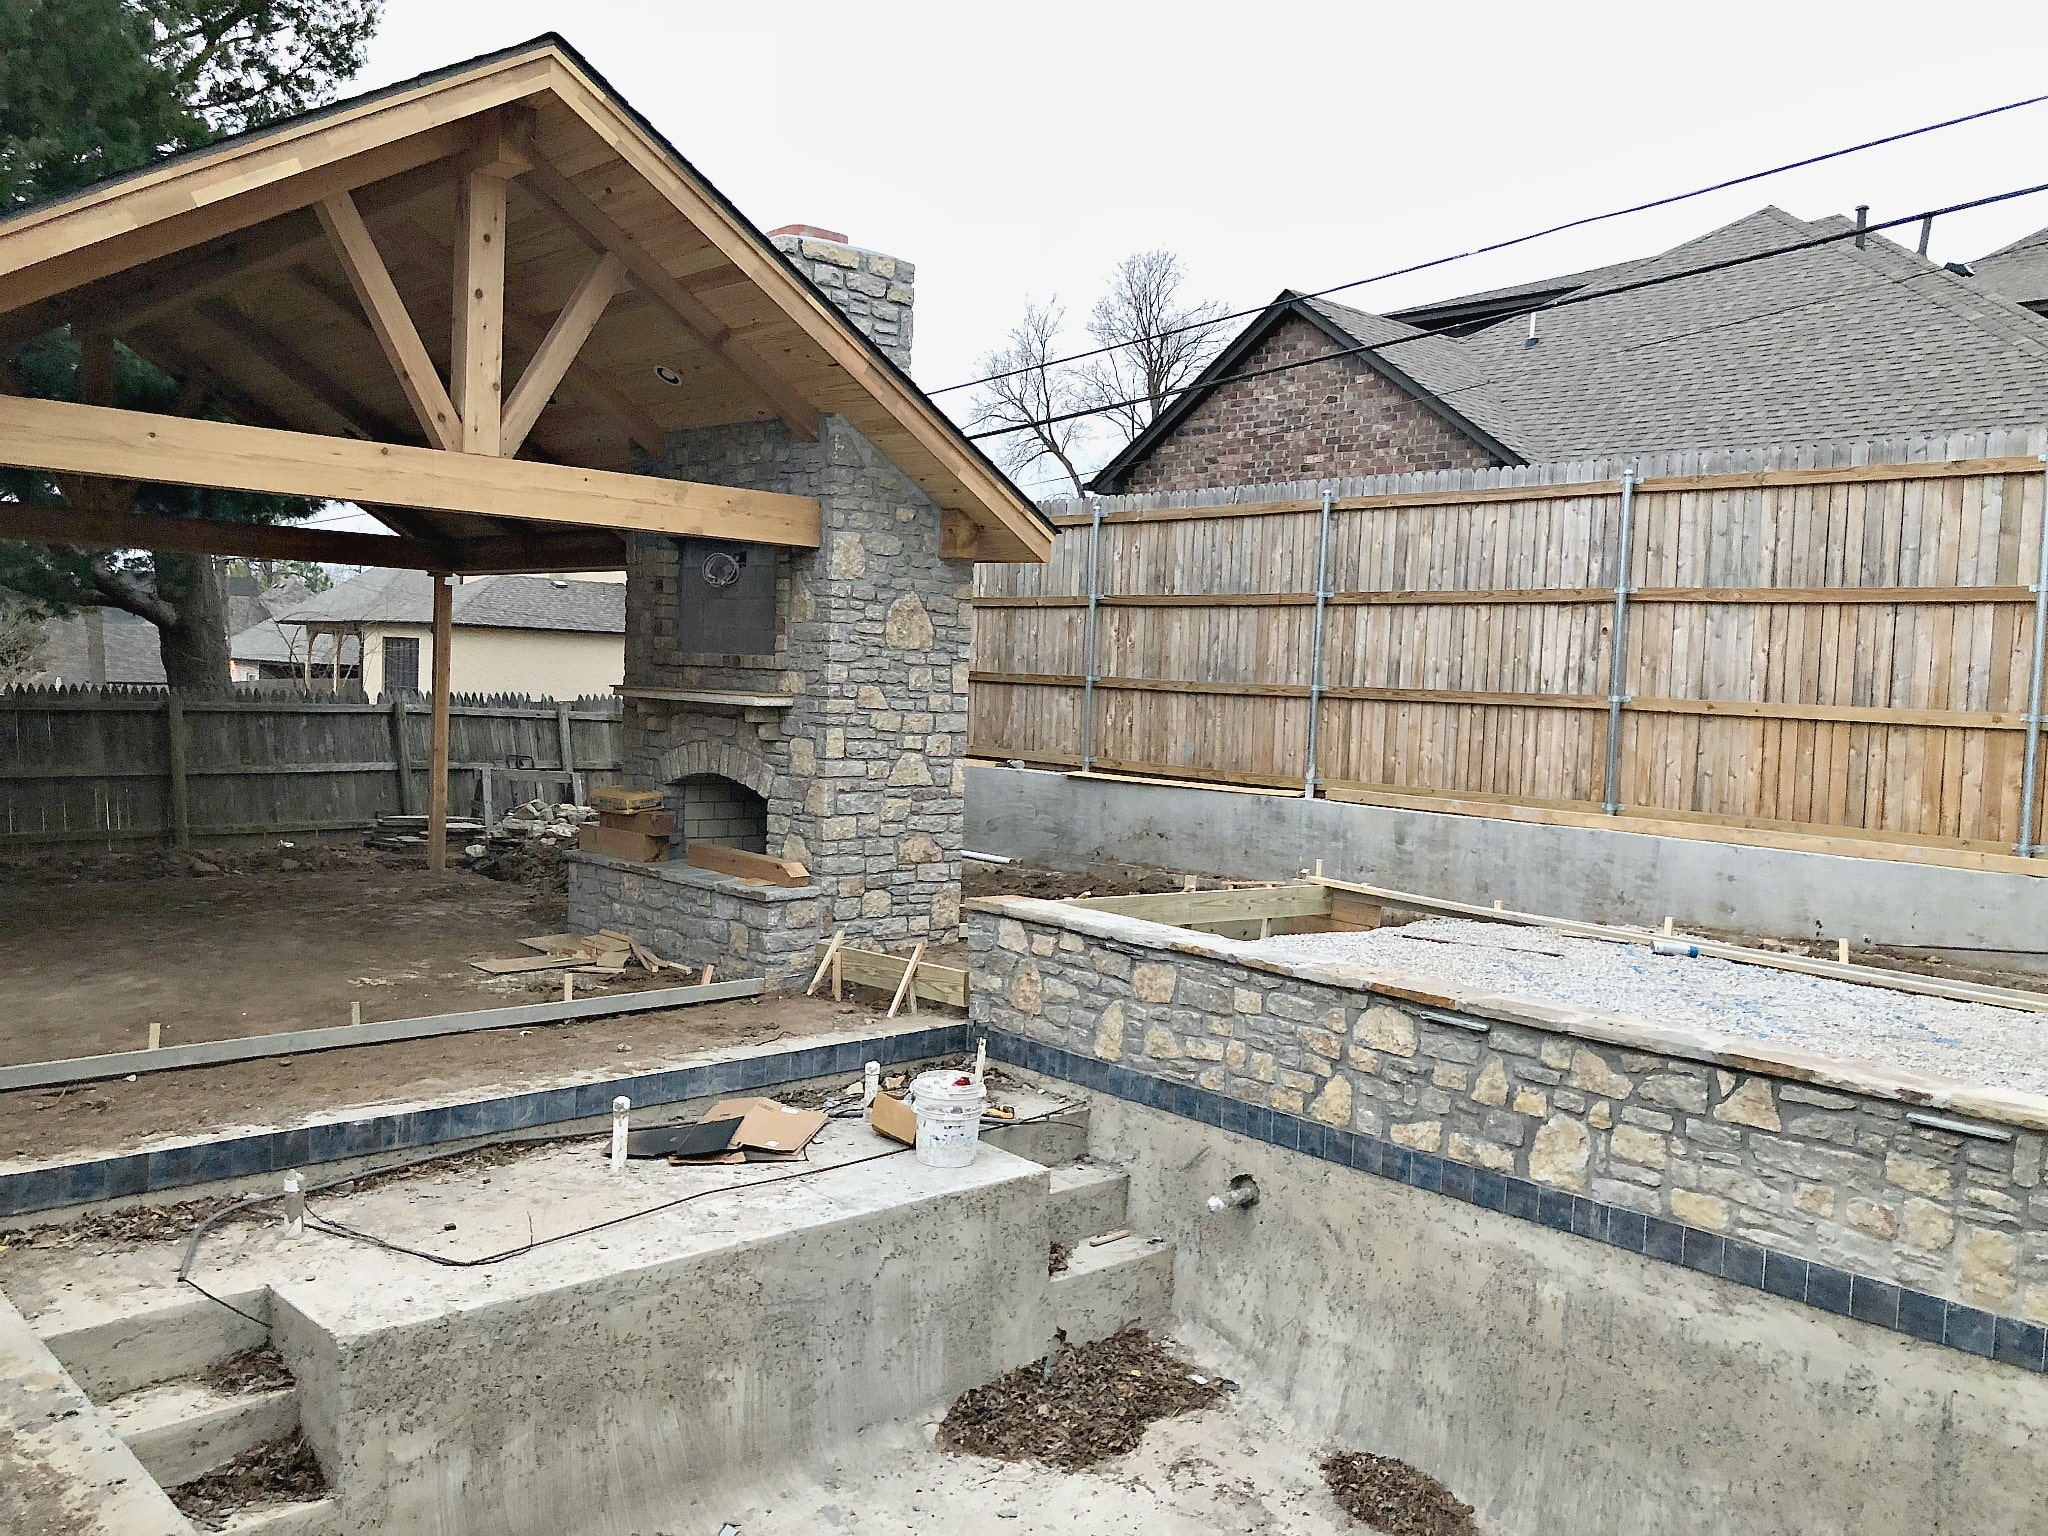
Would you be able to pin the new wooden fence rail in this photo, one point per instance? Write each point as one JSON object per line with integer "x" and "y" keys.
{"x": 81, "y": 766}
{"x": 1835, "y": 647}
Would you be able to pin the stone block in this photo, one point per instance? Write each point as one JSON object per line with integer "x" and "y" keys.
{"x": 1697, "y": 1210}
{"x": 1989, "y": 1272}
{"x": 1492, "y": 1084}
{"x": 1333, "y": 1105}
{"x": 1631, "y": 1144}
{"x": 1419, "y": 1135}
{"x": 1385, "y": 1029}
{"x": 1675, "y": 1091}
{"x": 1590, "y": 1071}
{"x": 1561, "y": 1152}
{"x": 1750, "y": 1104}
{"x": 1154, "y": 983}
{"x": 1921, "y": 1175}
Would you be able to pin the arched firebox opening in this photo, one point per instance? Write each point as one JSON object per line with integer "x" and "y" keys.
{"x": 722, "y": 811}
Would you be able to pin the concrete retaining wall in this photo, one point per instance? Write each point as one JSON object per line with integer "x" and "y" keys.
{"x": 1757, "y": 1150}
{"x": 1564, "y": 1387}
{"x": 1578, "y": 872}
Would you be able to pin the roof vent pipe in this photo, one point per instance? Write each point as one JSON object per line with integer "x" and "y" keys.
{"x": 1534, "y": 339}
{"x": 1862, "y": 223}
{"x": 1926, "y": 231}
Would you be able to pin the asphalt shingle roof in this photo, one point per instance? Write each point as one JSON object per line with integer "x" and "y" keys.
{"x": 2019, "y": 271}
{"x": 487, "y": 602}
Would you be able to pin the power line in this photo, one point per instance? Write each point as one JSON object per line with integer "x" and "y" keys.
{"x": 1502, "y": 245}
{"x": 1564, "y": 301}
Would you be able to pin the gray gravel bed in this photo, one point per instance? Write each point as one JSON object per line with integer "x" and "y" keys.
{"x": 1971, "y": 1042}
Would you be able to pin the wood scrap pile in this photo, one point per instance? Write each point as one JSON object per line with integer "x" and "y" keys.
{"x": 604, "y": 953}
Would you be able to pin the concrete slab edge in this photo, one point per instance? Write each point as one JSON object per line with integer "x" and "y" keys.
{"x": 1999, "y": 1106}
{"x": 1840, "y": 1293}
{"x": 57, "y": 1185}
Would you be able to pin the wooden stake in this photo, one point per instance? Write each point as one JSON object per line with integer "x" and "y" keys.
{"x": 437, "y": 772}
{"x": 825, "y": 961}
{"x": 1668, "y": 927}
{"x": 838, "y": 984}
{"x": 909, "y": 976}
{"x": 1319, "y": 869}
{"x": 355, "y": 1013}
{"x": 568, "y": 986}
{"x": 1842, "y": 951}
{"x": 156, "y": 1035}
{"x": 705, "y": 979}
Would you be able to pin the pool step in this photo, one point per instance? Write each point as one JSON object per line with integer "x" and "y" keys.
{"x": 113, "y": 1359}
{"x": 180, "y": 1430}
{"x": 316, "y": 1517}
{"x": 1086, "y": 1200}
{"x": 1053, "y": 1143}
{"x": 1111, "y": 1286}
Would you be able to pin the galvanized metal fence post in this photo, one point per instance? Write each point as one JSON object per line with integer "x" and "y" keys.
{"x": 1315, "y": 653}
{"x": 1624, "y": 571}
{"x": 2030, "y": 774}
{"x": 1088, "y": 640}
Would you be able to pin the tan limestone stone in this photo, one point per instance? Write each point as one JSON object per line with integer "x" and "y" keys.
{"x": 1529, "y": 1102}
{"x": 1449, "y": 1075}
{"x": 1385, "y": 1029}
{"x": 1202, "y": 1048}
{"x": 1043, "y": 945}
{"x": 918, "y": 848}
{"x": 1632, "y": 1144}
{"x": 1154, "y": 983}
{"x": 1591, "y": 1072}
{"x": 1422, "y": 1135}
{"x": 871, "y": 697}
{"x": 1327, "y": 1046}
{"x": 1160, "y": 1044}
{"x": 946, "y": 910}
{"x": 1109, "y": 1032}
{"x": 1601, "y": 1116}
{"x": 1697, "y": 1210}
{"x": 910, "y": 771}
{"x": 1930, "y": 1228}
{"x": 1287, "y": 1101}
{"x": 1262, "y": 1066}
{"x": 1236, "y": 1054}
{"x": 1024, "y": 988}
{"x": 1333, "y": 1105}
{"x": 1990, "y": 1268}
{"x": 1868, "y": 1216}
{"x": 1921, "y": 1175}
{"x": 1469, "y": 1149}
{"x": 908, "y": 627}
{"x": 875, "y": 904}
{"x": 803, "y": 757}
{"x": 1365, "y": 1061}
{"x": 845, "y": 560}
{"x": 1214, "y": 1079}
{"x": 1245, "y": 1000}
{"x": 1010, "y": 935}
{"x": 1557, "y": 1054}
{"x": 1751, "y": 1105}
{"x": 1492, "y": 1087}
{"x": 1560, "y": 1153}
{"x": 1814, "y": 1199}
{"x": 2035, "y": 1308}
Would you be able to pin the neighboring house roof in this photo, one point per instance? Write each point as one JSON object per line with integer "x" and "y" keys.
{"x": 133, "y": 655}
{"x": 2019, "y": 271}
{"x": 1829, "y": 342}
{"x": 487, "y": 602}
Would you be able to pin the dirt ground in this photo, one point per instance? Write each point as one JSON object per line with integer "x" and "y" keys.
{"x": 101, "y": 946}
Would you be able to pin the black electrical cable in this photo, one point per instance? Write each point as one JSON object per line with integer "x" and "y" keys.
{"x": 1565, "y": 301}
{"x": 1539, "y": 234}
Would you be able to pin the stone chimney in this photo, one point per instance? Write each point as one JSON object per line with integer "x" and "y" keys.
{"x": 876, "y": 292}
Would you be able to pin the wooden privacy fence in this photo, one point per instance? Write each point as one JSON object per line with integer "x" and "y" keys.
{"x": 1838, "y": 643}
{"x": 79, "y": 765}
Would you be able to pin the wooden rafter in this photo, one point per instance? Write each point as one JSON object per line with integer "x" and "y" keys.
{"x": 396, "y": 334}
{"x": 598, "y": 227}
{"x": 61, "y": 437}
{"x": 552, "y": 360}
{"x": 262, "y": 342}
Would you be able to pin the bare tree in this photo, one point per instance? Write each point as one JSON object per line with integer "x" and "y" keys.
{"x": 1158, "y": 341}
{"x": 1025, "y": 394}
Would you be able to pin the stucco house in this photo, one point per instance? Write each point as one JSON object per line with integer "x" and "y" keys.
{"x": 545, "y": 636}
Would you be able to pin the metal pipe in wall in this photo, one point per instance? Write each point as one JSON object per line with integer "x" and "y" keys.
{"x": 1315, "y": 652}
{"x": 1617, "y": 673}
{"x": 2029, "y": 844}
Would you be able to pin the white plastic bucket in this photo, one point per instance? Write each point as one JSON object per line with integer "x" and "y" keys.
{"x": 948, "y": 1108}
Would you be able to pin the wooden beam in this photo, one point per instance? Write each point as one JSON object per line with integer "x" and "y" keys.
{"x": 558, "y": 349}
{"x": 386, "y": 312}
{"x": 655, "y": 280}
{"x": 437, "y": 769}
{"x": 62, "y": 437}
{"x": 746, "y": 866}
{"x": 261, "y": 342}
{"x": 82, "y": 529}
{"x": 476, "y": 348}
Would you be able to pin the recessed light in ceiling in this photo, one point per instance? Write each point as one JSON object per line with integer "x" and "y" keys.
{"x": 668, "y": 375}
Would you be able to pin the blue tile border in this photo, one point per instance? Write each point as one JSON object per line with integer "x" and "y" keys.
{"x": 235, "y": 1157}
{"x": 1880, "y": 1303}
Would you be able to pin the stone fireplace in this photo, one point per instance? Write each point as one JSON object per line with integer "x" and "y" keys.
{"x": 840, "y": 746}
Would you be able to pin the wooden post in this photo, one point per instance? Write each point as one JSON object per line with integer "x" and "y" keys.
{"x": 437, "y": 770}
{"x": 181, "y": 790}
{"x": 476, "y": 352}
{"x": 565, "y": 743}
{"x": 401, "y": 755}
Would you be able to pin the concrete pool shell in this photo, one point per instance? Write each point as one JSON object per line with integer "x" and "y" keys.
{"x": 772, "y": 1357}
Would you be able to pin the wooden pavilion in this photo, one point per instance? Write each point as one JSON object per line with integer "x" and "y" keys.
{"x": 475, "y": 303}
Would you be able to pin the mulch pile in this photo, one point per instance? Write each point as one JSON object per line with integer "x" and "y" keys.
{"x": 1057, "y": 1260}
{"x": 1096, "y": 1404}
{"x": 1393, "y": 1497}
{"x": 261, "y": 1369}
{"x": 282, "y": 1471}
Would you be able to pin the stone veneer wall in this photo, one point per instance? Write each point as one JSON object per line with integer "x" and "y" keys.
{"x": 864, "y": 774}
{"x": 699, "y": 917}
{"x": 874, "y": 291}
{"x": 1797, "y": 1156}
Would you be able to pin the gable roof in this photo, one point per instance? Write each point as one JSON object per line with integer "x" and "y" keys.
{"x": 2019, "y": 271}
{"x": 487, "y": 602}
{"x": 215, "y": 265}
{"x": 1830, "y": 342}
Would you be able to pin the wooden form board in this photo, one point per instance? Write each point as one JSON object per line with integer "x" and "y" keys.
{"x": 869, "y": 968}
{"x": 210, "y": 1053}
{"x": 747, "y": 866}
{"x": 1831, "y": 650}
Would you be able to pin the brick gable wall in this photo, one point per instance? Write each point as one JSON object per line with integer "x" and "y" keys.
{"x": 1317, "y": 422}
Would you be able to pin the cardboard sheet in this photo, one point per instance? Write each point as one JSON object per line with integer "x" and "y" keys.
{"x": 893, "y": 1118}
{"x": 766, "y": 1126}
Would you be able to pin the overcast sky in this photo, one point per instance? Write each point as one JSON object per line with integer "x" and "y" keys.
{"x": 1019, "y": 151}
